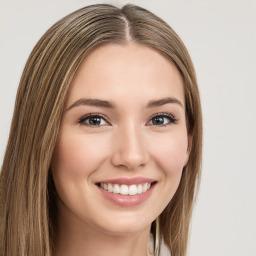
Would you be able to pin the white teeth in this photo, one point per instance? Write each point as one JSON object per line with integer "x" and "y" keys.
{"x": 145, "y": 187}
{"x": 126, "y": 189}
{"x": 133, "y": 190}
{"x": 116, "y": 189}
{"x": 110, "y": 188}
{"x": 139, "y": 189}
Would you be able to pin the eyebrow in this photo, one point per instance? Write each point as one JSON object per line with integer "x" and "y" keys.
{"x": 111, "y": 105}
{"x": 161, "y": 102}
{"x": 92, "y": 102}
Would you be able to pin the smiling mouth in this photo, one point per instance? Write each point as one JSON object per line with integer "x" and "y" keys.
{"x": 124, "y": 189}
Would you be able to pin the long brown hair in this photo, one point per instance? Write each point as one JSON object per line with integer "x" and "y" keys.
{"x": 26, "y": 187}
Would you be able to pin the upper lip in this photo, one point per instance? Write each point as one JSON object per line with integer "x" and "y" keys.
{"x": 128, "y": 181}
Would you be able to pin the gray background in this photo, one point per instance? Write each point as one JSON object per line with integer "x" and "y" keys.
{"x": 221, "y": 38}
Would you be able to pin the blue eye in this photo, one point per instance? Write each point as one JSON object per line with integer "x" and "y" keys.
{"x": 93, "y": 120}
{"x": 162, "y": 120}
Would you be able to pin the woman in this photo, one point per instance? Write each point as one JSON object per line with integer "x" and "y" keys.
{"x": 105, "y": 144}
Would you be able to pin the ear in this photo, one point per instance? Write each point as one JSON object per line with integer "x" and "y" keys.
{"x": 189, "y": 147}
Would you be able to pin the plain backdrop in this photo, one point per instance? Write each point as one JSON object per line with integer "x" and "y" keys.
{"x": 221, "y": 38}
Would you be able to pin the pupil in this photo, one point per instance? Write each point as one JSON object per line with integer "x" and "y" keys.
{"x": 94, "y": 120}
{"x": 158, "y": 120}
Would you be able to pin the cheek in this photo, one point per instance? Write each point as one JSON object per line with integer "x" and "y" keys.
{"x": 74, "y": 160}
{"x": 171, "y": 154}
{"x": 76, "y": 156}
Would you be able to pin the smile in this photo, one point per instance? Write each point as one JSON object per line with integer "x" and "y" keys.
{"x": 127, "y": 192}
{"x": 124, "y": 189}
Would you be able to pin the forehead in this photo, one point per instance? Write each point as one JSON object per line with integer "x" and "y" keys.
{"x": 114, "y": 71}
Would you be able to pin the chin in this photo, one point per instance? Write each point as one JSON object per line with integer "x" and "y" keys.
{"x": 124, "y": 225}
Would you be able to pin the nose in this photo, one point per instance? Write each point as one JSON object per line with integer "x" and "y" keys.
{"x": 129, "y": 148}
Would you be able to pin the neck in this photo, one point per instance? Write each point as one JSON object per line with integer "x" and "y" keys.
{"x": 76, "y": 237}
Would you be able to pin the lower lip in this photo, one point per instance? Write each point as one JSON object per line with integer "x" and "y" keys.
{"x": 126, "y": 200}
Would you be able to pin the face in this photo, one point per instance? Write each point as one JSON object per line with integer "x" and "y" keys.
{"x": 123, "y": 140}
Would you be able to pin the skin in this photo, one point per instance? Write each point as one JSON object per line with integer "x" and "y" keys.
{"x": 126, "y": 143}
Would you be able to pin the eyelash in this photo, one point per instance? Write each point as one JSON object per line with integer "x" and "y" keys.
{"x": 172, "y": 119}
{"x": 82, "y": 120}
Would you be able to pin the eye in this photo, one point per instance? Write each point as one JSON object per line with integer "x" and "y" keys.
{"x": 93, "y": 120}
{"x": 162, "y": 120}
